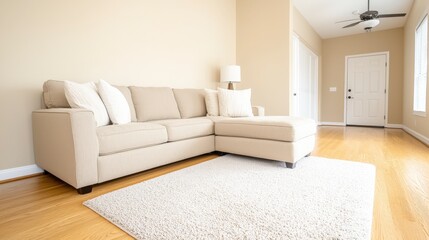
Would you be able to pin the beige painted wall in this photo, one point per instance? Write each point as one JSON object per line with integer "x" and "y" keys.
{"x": 147, "y": 43}
{"x": 313, "y": 41}
{"x": 306, "y": 33}
{"x": 263, "y": 52}
{"x": 419, "y": 124}
{"x": 334, "y": 52}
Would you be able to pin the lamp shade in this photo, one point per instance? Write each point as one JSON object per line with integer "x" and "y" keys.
{"x": 230, "y": 73}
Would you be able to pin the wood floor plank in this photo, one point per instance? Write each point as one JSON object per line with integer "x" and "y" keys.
{"x": 43, "y": 207}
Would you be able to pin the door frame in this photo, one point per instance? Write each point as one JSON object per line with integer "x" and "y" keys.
{"x": 293, "y": 87}
{"x": 386, "y": 101}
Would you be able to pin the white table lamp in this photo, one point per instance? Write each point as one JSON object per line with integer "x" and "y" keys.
{"x": 230, "y": 74}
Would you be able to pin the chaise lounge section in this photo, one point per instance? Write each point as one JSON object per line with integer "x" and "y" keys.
{"x": 280, "y": 138}
{"x": 168, "y": 125}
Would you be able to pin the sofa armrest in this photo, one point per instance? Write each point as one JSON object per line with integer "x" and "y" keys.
{"x": 258, "y": 111}
{"x": 66, "y": 145}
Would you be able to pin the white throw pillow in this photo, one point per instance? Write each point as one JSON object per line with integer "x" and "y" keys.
{"x": 86, "y": 96}
{"x": 235, "y": 103}
{"x": 115, "y": 102}
{"x": 212, "y": 103}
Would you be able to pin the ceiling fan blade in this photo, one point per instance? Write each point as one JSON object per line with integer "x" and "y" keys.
{"x": 355, "y": 19}
{"x": 353, "y": 24}
{"x": 392, "y": 15}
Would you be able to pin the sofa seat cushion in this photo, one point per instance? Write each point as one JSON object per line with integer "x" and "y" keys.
{"x": 279, "y": 128}
{"x": 180, "y": 129}
{"x": 119, "y": 138}
{"x": 216, "y": 119}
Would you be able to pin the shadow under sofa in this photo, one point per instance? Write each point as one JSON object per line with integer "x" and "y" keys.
{"x": 168, "y": 125}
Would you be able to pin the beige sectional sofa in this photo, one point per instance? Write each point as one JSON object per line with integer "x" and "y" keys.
{"x": 168, "y": 125}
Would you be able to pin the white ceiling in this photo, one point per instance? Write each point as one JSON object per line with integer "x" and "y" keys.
{"x": 323, "y": 14}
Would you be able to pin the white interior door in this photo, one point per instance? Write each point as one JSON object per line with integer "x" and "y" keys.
{"x": 366, "y": 90}
{"x": 305, "y": 77}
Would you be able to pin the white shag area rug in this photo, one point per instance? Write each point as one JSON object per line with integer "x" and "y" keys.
{"x": 236, "y": 197}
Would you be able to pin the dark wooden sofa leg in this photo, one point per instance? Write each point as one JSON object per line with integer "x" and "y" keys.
{"x": 290, "y": 165}
{"x": 84, "y": 190}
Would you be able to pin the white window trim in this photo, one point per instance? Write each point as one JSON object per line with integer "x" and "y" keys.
{"x": 420, "y": 113}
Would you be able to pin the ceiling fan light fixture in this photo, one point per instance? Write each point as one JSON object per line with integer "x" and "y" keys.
{"x": 370, "y": 18}
{"x": 370, "y": 23}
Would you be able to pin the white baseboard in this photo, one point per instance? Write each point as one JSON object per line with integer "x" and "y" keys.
{"x": 332, "y": 124}
{"x": 417, "y": 135}
{"x": 12, "y": 173}
{"x": 400, "y": 126}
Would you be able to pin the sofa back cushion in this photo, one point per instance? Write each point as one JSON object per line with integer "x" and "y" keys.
{"x": 191, "y": 102}
{"x": 53, "y": 94}
{"x": 154, "y": 103}
{"x": 127, "y": 94}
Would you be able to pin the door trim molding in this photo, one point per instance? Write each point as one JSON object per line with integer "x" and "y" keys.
{"x": 386, "y": 110}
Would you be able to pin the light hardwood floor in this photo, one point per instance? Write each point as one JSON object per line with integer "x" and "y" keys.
{"x": 43, "y": 207}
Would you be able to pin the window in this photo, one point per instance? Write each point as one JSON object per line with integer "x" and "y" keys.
{"x": 421, "y": 67}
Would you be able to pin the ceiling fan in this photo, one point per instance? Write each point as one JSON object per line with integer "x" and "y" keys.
{"x": 370, "y": 18}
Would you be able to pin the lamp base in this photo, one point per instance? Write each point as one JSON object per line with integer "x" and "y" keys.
{"x": 231, "y": 86}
